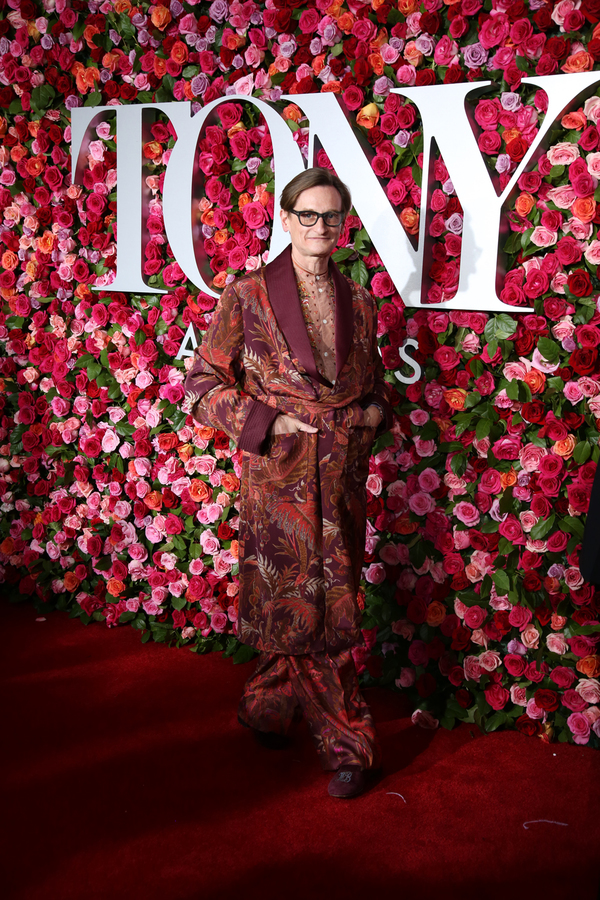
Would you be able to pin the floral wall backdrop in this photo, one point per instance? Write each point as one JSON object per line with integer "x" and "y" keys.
{"x": 119, "y": 508}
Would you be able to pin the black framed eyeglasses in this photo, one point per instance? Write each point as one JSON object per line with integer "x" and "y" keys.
{"x": 308, "y": 217}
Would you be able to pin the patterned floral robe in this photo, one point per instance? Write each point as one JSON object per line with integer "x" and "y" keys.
{"x": 303, "y": 496}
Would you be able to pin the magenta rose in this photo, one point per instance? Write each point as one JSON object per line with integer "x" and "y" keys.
{"x": 255, "y": 215}
{"x": 497, "y": 696}
{"x": 506, "y": 448}
{"x": 514, "y": 664}
{"x": 382, "y": 285}
{"x": 562, "y": 676}
{"x": 475, "y": 616}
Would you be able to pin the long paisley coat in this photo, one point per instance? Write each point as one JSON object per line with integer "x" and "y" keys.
{"x": 303, "y": 496}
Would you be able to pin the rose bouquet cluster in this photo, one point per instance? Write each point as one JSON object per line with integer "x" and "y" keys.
{"x": 119, "y": 508}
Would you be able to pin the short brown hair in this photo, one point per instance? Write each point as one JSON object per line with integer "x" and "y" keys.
{"x": 310, "y": 178}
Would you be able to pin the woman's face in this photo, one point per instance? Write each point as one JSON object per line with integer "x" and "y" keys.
{"x": 317, "y": 240}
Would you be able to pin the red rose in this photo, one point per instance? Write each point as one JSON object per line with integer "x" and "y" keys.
{"x": 579, "y": 283}
{"x": 546, "y": 699}
{"x": 463, "y": 698}
{"x": 583, "y": 361}
{"x": 528, "y": 726}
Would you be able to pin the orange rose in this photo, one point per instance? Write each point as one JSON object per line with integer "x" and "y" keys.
{"x": 243, "y": 199}
{"x": 35, "y": 165}
{"x": 199, "y": 490}
{"x": 589, "y": 666}
{"x": 82, "y": 292}
{"x": 3, "y": 126}
{"x": 185, "y": 452}
{"x": 18, "y": 152}
{"x": 575, "y": 120}
{"x": 220, "y": 280}
{"x": 71, "y": 581}
{"x": 153, "y": 500}
{"x": 584, "y": 208}
{"x": 403, "y": 525}
{"x": 160, "y": 17}
{"x": 332, "y": 87}
{"x": 220, "y": 236}
{"x": 412, "y": 54}
{"x": 455, "y": 398}
{"x": 377, "y": 64}
{"x": 208, "y": 217}
{"x": 345, "y": 22}
{"x": 152, "y": 150}
{"x": 205, "y": 432}
{"x": 524, "y": 204}
{"x": 436, "y": 613}
{"x": 368, "y": 116}
{"x": 45, "y": 242}
{"x": 536, "y": 381}
{"x": 292, "y": 112}
{"x": 565, "y": 448}
{"x": 167, "y": 441}
{"x": 406, "y": 7}
{"x": 7, "y": 546}
{"x": 179, "y": 52}
{"x": 318, "y": 63}
{"x": 121, "y": 5}
{"x": 114, "y": 587}
{"x": 88, "y": 35}
{"x": 508, "y": 479}
{"x": 582, "y": 61}
{"x": 409, "y": 218}
{"x": 230, "y": 482}
{"x": 160, "y": 66}
{"x": 234, "y": 549}
{"x": 10, "y": 260}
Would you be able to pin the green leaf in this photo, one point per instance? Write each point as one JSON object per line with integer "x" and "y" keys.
{"x": 458, "y": 464}
{"x": 93, "y": 99}
{"x": 512, "y": 389}
{"x": 571, "y": 524}
{"x": 359, "y": 273}
{"x": 542, "y": 528}
{"x": 502, "y": 582}
{"x": 582, "y": 452}
{"x": 549, "y": 350}
{"x": 178, "y": 602}
{"x": 499, "y": 718}
{"x": 500, "y": 327}
{"x": 243, "y": 654}
{"x": 190, "y": 71}
{"x": 482, "y": 429}
{"x": 43, "y": 96}
{"x": 342, "y": 254}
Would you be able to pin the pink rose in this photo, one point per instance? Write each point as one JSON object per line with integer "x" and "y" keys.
{"x": 424, "y": 719}
{"x": 556, "y": 643}
{"x": 472, "y": 668}
{"x": 407, "y": 678}
{"x": 490, "y": 660}
{"x": 375, "y": 574}
{"x": 589, "y": 689}
{"x": 530, "y": 637}
{"x": 467, "y": 513}
{"x": 579, "y": 726}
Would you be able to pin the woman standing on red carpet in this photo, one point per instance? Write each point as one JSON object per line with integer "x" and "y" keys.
{"x": 290, "y": 370}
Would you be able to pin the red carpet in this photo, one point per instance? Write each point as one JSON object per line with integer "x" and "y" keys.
{"x": 126, "y": 775}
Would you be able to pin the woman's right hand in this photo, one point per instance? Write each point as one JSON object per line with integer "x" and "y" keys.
{"x": 285, "y": 424}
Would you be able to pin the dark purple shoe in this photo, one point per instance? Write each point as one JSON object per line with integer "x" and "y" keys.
{"x": 348, "y": 782}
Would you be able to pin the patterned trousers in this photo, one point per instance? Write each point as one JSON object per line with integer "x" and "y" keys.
{"x": 325, "y": 689}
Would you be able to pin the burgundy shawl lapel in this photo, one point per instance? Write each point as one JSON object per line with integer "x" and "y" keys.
{"x": 283, "y": 297}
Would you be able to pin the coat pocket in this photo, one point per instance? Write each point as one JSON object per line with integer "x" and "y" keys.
{"x": 283, "y": 472}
